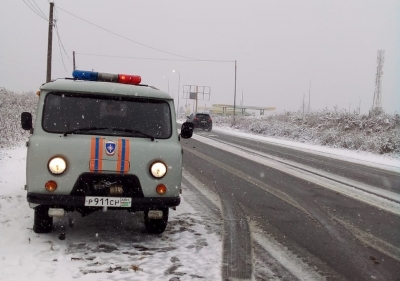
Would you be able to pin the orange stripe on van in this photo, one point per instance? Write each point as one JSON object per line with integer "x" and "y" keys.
{"x": 92, "y": 153}
{"x": 96, "y": 154}
{"x": 123, "y": 156}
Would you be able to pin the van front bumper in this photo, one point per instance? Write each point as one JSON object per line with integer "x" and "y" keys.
{"x": 138, "y": 204}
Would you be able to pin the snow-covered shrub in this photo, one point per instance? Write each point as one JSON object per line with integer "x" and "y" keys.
{"x": 11, "y": 107}
{"x": 329, "y": 137}
{"x": 388, "y": 145}
{"x": 378, "y": 132}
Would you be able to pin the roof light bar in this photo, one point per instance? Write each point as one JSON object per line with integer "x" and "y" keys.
{"x": 106, "y": 77}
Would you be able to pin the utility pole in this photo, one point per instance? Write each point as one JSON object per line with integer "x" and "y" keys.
{"x": 168, "y": 82}
{"x": 234, "y": 99}
{"x": 73, "y": 58}
{"x": 179, "y": 85}
{"x": 50, "y": 43}
{"x": 179, "y": 90}
{"x": 241, "y": 103}
{"x": 309, "y": 98}
{"x": 196, "y": 102}
{"x": 377, "y": 102}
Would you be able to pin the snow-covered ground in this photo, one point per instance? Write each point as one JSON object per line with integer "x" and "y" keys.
{"x": 102, "y": 246}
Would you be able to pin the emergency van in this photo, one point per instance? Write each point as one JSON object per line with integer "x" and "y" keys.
{"x": 103, "y": 141}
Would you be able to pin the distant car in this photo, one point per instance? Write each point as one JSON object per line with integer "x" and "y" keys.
{"x": 201, "y": 120}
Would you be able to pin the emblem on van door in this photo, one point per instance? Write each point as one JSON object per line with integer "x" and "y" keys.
{"x": 110, "y": 147}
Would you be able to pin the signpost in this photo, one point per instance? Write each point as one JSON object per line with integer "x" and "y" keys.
{"x": 195, "y": 92}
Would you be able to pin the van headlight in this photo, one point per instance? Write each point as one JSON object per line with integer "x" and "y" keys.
{"x": 158, "y": 169}
{"x": 57, "y": 165}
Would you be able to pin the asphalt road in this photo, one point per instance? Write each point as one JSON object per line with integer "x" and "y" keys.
{"x": 289, "y": 223}
{"x": 376, "y": 177}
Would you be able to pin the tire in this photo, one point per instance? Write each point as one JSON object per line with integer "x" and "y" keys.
{"x": 156, "y": 226}
{"x": 42, "y": 223}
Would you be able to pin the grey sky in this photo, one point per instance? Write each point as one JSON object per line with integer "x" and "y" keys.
{"x": 280, "y": 46}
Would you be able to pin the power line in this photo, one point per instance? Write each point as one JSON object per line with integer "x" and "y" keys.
{"x": 58, "y": 34}
{"x": 41, "y": 12}
{"x": 34, "y": 10}
{"x": 60, "y": 41}
{"x": 159, "y": 59}
{"x": 30, "y": 6}
{"x": 55, "y": 12}
{"x": 60, "y": 44}
{"x": 126, "y": 38}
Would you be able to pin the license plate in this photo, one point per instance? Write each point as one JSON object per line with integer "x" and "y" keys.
{"x": 203, "y": 121}
{"x": 95, "y": 201}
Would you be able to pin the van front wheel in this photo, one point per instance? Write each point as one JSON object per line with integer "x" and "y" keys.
{"x": 156, "y": 226}
{"x": 42, "y": 223}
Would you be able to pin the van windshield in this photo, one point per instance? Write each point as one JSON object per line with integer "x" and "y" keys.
{"x": 64, "y": 112}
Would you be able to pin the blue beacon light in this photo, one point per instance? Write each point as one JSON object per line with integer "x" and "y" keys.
{"x": 85, "y": 75}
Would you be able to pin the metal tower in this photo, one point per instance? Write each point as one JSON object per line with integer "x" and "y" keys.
{"x": 377, "y": 102}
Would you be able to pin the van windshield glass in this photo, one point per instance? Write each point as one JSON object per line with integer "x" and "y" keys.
{"x": 66, "y": 112}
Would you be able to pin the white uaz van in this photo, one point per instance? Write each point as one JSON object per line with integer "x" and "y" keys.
{"x": 103, "y": 141}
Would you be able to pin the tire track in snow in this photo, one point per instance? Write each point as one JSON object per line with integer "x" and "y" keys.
{"x": 237, "y": 254}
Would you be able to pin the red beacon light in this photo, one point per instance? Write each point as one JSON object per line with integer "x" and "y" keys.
{"x": 129, "y": 79}
{"x": 106, "y": 77}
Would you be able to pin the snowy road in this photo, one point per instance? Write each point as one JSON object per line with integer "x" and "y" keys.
{"x": 303, "y": 226}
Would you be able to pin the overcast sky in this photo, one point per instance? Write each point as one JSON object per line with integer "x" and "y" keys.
{"x": 280, "y": 47}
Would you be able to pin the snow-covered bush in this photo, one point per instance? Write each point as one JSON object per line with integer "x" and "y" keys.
{"x": 11, "y": 107}
{"x": 376, "y": 132}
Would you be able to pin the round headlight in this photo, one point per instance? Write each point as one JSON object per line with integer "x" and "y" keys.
{"x": 158, "y": 169}
{"x": 57, "y": 165}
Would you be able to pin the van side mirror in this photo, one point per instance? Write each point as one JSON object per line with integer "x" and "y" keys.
{"x": 26, "y": 120}
{"x": 187, "y": 130}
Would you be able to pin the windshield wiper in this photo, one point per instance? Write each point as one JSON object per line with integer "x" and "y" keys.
{"x": 134, "y": 132}
{"x": 83, "y": 130}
